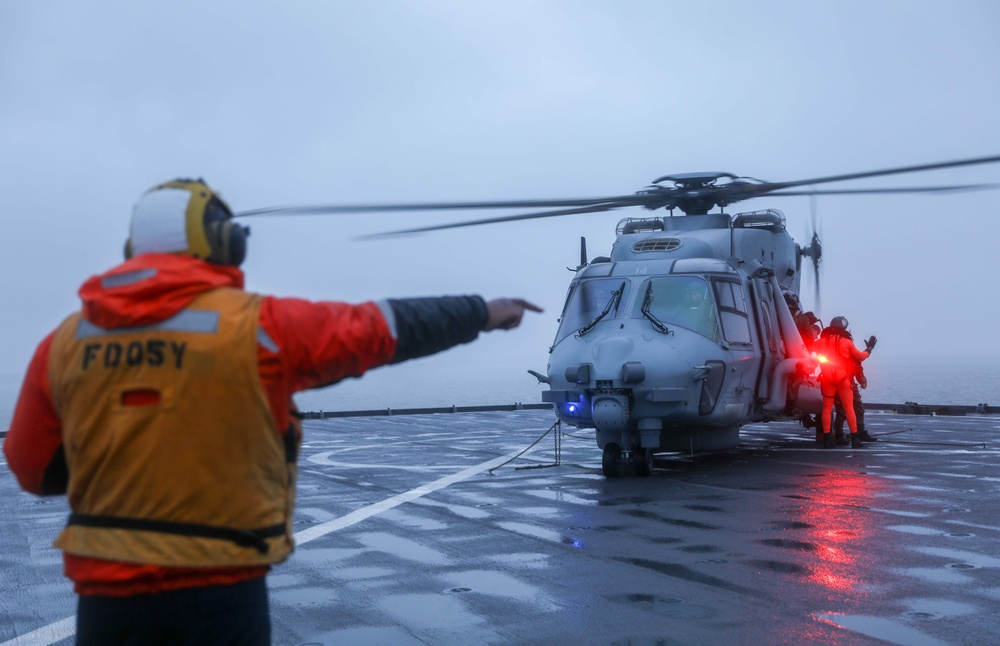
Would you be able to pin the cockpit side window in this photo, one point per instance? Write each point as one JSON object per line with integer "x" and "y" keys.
{"x": 588, "y": 299}
{"x": 725, "y": 293}
{"x": 730, "y": 296}
{"x": 733, "y": 312}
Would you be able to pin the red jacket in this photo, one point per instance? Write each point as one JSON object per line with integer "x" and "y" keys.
{"x": 302, "y": 345}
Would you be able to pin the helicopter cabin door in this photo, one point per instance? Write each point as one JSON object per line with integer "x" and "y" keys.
{"x": 768, "y": 335}
{"x": 737, "y": 333}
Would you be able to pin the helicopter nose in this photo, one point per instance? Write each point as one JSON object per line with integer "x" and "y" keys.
{"x": 613, "y": 351}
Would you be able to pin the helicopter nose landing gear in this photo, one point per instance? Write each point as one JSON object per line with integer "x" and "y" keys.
{"x": 613, "y": 461}
{"x": 643, "y": 461}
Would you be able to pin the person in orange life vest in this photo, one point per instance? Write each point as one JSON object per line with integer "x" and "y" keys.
{"x": 858, "y": 383}
{"x": 837, "y": 359}
{"x": 163, "y": 410}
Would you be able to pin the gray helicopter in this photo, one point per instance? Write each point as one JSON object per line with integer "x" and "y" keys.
{"x": 682, "y": 336}
{"x": 684, "y": 333}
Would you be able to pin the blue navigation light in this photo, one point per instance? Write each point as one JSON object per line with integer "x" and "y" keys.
{"x": 578, "y": 408}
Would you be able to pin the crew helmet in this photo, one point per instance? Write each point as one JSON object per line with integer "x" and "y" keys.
{"x": 186, "y": 217}
{"x": 839, "y": 322}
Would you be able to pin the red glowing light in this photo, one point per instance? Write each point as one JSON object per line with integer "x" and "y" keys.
{"x": 839, "y": 526}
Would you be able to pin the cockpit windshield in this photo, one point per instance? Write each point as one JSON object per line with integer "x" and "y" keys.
{"x": 590, "y": 301}
{"x": 684, "y": 301}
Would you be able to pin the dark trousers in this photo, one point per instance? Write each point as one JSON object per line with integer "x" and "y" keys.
{"x": 227, "y": 615}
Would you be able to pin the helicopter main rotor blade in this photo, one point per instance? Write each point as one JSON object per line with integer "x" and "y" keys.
{"x": 775, "y": 186}
{"x": 912, "y": 189}
{"x": 333, "y": 209}
{"x": 695, "y": 194}
{"x": 597, "y": 208}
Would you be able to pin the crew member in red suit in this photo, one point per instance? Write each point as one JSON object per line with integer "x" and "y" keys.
{"x": 163, "y": 410}
{"x": 838, "y": 360}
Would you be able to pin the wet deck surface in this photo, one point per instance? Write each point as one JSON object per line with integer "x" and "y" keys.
{"x": 406, "y": 539}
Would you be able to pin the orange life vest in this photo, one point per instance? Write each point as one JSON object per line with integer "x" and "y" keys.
{"x": 173, "y": 454}
{"x": 835, "y": 360}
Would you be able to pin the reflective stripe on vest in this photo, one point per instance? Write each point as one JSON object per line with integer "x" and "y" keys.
{"x": 185, "y": 321}
{"x": 127, "y": 278}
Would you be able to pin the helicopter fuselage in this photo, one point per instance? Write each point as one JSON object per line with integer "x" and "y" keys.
{"x": 682, "y": 336}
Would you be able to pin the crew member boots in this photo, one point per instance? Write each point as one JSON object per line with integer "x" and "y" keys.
{"x": 839, "y": 439}
{"x": 865, "y": 437}
{"x": 856, "y": 441}
{"x": 828, "y": 441}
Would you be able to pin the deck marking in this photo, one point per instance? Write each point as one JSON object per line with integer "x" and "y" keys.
{"x": 317, "y": 531}
{"x": 46, "y": 634}
{"x": 60, "y": 630}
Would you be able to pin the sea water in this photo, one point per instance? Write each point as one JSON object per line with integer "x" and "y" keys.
{"x": 963, "y": 381}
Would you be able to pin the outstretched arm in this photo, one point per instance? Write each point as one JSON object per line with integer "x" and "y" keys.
{"x": 425, "y": 326}
{"x": 321, "y": 343}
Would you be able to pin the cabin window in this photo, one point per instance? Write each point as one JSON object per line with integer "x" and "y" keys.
{"x": 733, "y": 312}
{"x": 736, "y": 328}
{"x": 683, "y": 301}
{"x": 588, "y": 299}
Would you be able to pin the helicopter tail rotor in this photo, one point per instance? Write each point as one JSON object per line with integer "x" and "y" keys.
{"x": 815, "y": 243}
{"x": 814, "y": 251}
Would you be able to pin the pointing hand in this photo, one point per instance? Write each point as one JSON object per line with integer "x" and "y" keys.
{"x": 506, "y": 313}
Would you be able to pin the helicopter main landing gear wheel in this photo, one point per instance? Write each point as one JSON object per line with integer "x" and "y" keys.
{"x": 643, "y": 462}
{"x": 611, "y": 460}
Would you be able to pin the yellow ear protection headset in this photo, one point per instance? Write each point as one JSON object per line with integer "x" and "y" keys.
{"x": 187, "y": 217}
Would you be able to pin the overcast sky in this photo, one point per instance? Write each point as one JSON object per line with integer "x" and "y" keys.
{"x": 378, "y": 101}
